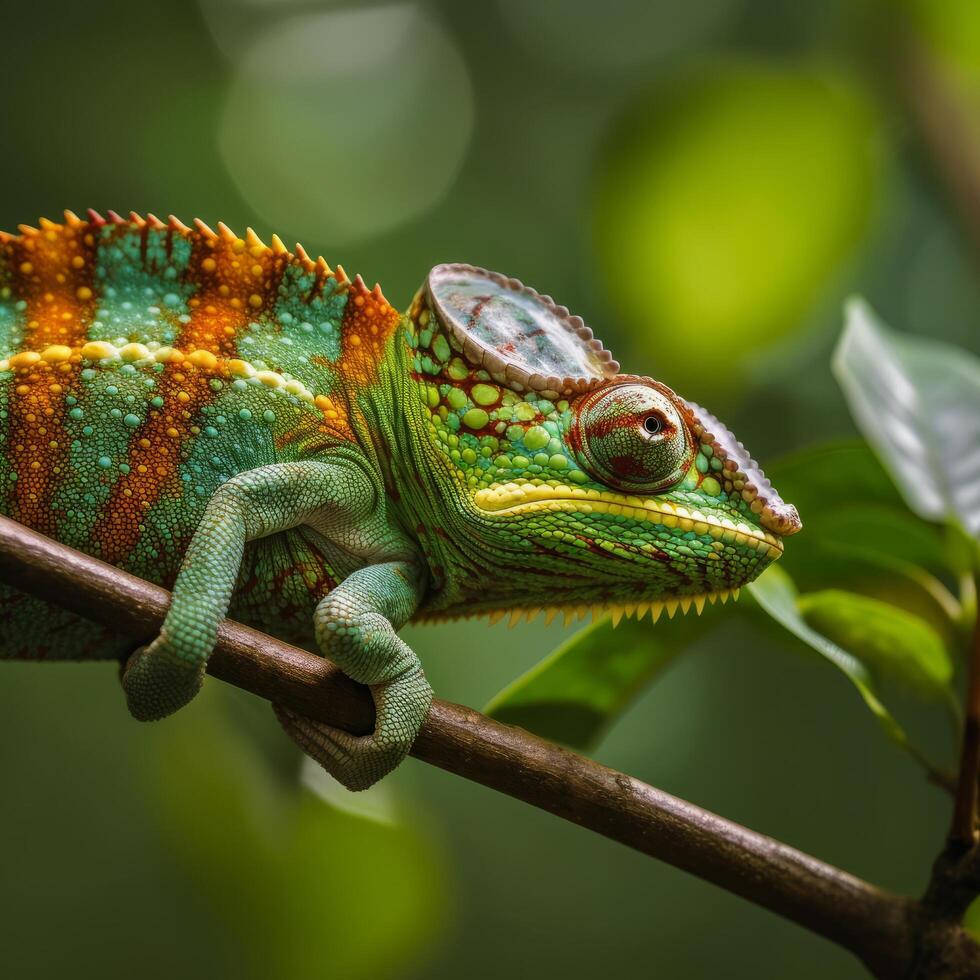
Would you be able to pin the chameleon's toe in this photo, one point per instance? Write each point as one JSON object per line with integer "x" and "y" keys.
{"x": 157, "y": 682}
{"x": 360, "y": 761}
{"x": 357, "y": 762}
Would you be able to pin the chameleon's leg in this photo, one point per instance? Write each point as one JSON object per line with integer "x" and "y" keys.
{"x": 162, "y": 677}
{"x": 355, "y": 628}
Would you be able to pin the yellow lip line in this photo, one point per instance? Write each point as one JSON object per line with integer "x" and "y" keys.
{"x": 521, "y": 498}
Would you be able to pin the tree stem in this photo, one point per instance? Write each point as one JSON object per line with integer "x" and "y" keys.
{"x": 963, "y": 832}
{"x": 873, "y": 924}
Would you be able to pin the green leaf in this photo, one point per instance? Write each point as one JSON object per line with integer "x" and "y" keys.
{"x": 899, "y": 582}
{"x": 848, "y": 500}
{"x": 845, "y": 472}
{"x": 775, "y": 593}
{"x": 917, "y": 402}
{"x": 577, "y": 691}
{"x": 891, "y": 642}
{"x": 971, "y": 920}
{"x": 861, "y": 536}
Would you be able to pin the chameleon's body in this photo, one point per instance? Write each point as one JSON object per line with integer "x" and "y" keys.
{"x": 174, "y": 399}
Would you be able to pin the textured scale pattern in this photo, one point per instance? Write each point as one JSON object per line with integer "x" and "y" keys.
{"x": 273, "y": 441}
{"x": 146, "y": 364}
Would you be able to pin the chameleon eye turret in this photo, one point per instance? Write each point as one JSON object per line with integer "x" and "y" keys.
{"x": 519, "y": 337}
{"x": 631, "y": 436}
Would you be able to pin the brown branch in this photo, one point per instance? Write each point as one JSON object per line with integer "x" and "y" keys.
{"x": 963, "y": 833}
{"x": 873, "y": 924}
{"x": 955, "y": 880}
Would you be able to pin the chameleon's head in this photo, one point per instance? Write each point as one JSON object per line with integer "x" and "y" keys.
{"x": 578, "y": 486}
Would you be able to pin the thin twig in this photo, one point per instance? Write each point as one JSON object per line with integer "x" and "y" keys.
{"x": 963, "y": 833}
{"x": 944, "y": 126}
{"x": 871, "y": 923}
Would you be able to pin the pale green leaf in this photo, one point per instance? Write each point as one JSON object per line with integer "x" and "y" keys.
{"x": 917, "y": 402}
{"x": 378, "y": 803}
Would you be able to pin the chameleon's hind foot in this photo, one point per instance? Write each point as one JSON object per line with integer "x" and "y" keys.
{"x": 360, "y": 761}
{"x": 157, "y": 681}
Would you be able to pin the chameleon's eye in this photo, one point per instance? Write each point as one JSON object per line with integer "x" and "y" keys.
{"x": 632, "y": 437}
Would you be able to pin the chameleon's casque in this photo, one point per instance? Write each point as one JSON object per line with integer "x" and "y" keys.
{"x": 261, "y": 434}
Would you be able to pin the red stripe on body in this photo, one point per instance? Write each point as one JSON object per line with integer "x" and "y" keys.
{"x": 235, "y": 285}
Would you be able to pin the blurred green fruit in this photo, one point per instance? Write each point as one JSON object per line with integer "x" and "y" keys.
{"x": 724, "y": 204}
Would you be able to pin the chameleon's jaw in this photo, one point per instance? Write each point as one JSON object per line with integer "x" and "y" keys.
{"x": 602, "y": 571}
{"x": 513, "y": 499}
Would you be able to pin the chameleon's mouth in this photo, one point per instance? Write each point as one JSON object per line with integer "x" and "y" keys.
{"x": 508, "y": 499}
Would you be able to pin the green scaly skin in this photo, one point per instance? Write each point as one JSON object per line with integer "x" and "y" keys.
{"x": 274, "y": 442}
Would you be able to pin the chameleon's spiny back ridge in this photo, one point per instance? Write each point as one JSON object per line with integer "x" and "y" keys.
{"x": 143, "y": 363}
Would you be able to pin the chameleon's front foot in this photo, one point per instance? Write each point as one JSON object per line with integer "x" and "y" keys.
{"x": 358, "y": 762}
{"x": 355, "y": 627}
{"x": 157, "y": 681}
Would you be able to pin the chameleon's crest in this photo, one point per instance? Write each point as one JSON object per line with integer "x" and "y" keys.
{"x": 251, "y": 243}
{"x": 521, "y": 338}
{"x": 741, "y": 474}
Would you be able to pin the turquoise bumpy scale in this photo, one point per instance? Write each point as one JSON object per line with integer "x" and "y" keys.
{"x": 274, "y": 442}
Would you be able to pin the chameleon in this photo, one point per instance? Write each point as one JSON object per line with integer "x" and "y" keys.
{"x": 273, "y": 441}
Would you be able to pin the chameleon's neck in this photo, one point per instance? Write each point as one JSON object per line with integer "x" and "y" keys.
{"x": 385, "y": 414}
{"x": 426, "y": 494}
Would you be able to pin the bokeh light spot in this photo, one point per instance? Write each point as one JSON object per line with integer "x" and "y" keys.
{"x": 341, "y": 125}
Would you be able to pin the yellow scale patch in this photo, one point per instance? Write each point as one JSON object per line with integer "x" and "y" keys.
{"x": 107, "y": 353}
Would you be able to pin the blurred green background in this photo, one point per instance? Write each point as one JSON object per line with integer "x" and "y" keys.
{"x": 704, "y": 182}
